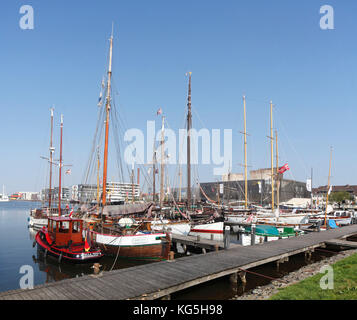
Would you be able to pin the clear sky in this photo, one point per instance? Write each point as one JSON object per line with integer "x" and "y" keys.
{"x": 267, "y": 50}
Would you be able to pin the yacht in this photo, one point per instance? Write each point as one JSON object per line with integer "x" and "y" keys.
{"x": 3, "y": 196}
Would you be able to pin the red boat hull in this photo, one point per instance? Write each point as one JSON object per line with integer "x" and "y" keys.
{"x": 74, "y": 254}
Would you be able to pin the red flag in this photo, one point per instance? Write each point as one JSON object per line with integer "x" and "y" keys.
{"x": 284, "y": 168}
{"x": 86, "y": 245}
{"x": 159, "y": 112}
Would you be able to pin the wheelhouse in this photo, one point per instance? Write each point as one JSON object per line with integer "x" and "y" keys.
{"x": 65, "y": 230}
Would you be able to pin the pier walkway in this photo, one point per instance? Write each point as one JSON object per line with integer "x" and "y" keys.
{"x": 160, "y": 279}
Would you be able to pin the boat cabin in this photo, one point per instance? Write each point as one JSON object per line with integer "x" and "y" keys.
{"x": 65, "y": 230}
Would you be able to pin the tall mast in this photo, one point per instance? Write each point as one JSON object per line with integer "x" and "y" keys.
{"x": 132, "y": 183}
{"x": 105, "y": 163}
{"x": 51, "y": 159}
{"x": 98, "y": 182}
{"x": 153, "y": 177}
{"x": 189, "y": 125}
{"x": 277, "y": 170}
{"x": 328, "y": 186}
{"x": 162, "y": 168}
{"x": 180, "y": 175}
{"x": 311, "y": 189}
{"x": 272, "y": 155}
{"x": 245, "y": 157}
{"x": 60, "y": 171}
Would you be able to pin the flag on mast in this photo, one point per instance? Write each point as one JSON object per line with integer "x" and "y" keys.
{"x": 284, "y": 168}
{"x": 308, "y": 185}
{"x": 329, "y": 190}
{"x": 159, "y": 112}
{"x": 86, "y": 245}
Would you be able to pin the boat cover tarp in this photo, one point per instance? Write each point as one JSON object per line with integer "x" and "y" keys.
{"x": 332, "y": 224}
{"x": 265, "y": 230}
{"x": 126, "y": 209}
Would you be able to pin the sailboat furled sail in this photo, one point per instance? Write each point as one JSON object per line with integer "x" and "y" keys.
{"x": 130, "y": 240}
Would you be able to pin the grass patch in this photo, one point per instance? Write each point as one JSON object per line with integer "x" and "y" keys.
{"x": 344, "y": 284}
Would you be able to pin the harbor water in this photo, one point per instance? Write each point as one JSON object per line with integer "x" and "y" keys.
{"x": 17, "y": 252}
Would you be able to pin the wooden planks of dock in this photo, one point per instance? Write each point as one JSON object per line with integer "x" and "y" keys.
{"x": 161, "y": 279}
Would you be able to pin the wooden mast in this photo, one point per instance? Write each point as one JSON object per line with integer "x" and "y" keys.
{"x": 272, "y": 155}
{"x": 105, "y": 163}
{"x": 162, "y": 167}
{"x": 277, "y": 170}
{"x": 60, "y": 171}
{"x": 328, "y": 187}
{"x": 153, "y": 177}
{"x": 132, "y": 183}
{"x": 51, "y": 160}
{"x": 180, "y": 187}
{"x": 245, "y": 157}
{"x": 189, "y": 125}
{"x": 98, "y": 181}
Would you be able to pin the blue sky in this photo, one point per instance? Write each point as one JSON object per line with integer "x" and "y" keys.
{"x": 267, "y": 50}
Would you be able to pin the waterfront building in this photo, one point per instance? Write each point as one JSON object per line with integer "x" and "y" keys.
{"x": 232, "y": 188}
{"x": 116, "y": 192}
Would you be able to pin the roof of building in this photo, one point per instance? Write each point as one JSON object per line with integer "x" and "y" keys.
{"x": 347, "y": 187}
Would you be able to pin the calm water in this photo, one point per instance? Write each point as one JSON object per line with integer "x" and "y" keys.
{"x": 16, "y": 250}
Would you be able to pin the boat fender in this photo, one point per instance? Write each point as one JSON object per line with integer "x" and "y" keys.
{"x": 60, "y": 258}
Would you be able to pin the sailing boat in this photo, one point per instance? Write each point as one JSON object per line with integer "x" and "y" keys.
{"x": 3, "y": 196}
{"x": 331, "y": 218}
{"x": 121, "y": 235}
{"x": 242, "y": 214}
{"x": 63, "y": 238}
{"x": 39, "y": 216}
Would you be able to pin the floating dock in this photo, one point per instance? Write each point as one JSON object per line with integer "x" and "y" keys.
{"x": 160, "y": 279}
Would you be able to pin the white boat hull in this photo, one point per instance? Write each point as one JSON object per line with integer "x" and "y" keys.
{"x": 175, "y": 227}
{"x": 208, "y": 231}
{"x": 37, "y": 223}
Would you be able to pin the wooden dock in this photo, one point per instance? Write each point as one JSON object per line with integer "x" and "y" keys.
{"x": 160, "y": 279}
{"x": 342, "y": 243}
{"x": 196, "y": 241}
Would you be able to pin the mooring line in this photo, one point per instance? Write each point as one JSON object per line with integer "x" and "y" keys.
{"x": 264, "y": 276}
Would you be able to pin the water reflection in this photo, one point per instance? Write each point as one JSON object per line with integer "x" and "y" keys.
{"x": 56, "y": 271}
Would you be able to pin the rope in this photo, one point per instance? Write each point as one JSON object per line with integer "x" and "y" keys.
{"x": 186, "y": 217}
{"x": 264, "y": 276}
{"x": 210, "y": 200}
